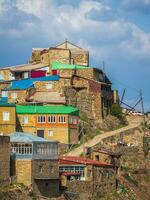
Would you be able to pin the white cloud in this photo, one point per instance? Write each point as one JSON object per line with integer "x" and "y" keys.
{"x": 56, "y": 22}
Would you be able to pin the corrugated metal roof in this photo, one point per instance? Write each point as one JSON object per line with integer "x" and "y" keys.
{"x": 26, "y": 137}
{"x": 5, "y": 104}
{"x": 58, "y": 66}
{"x": 27, "y": 67}
{"x": 27, "y": 83}
{"x": 47, "y": 110}
{"x": 80, "y": 160}
{"x": 48, "y": 97}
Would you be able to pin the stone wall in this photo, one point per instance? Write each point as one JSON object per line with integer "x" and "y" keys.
{"x": 20, "y": 98}
{"x": 80, "y": 57}
{"x": 45, "y": 177}
{"x": 23, "y": 171}
{"x": 102, "y": 181}
{"x": 4, "y": 159}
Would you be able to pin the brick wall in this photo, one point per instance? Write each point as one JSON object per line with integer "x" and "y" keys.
{"x": 4, "y": 159}
{"x": 45, "y": 177}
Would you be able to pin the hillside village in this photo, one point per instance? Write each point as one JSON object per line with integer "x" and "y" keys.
{"x": 47, "y": 108}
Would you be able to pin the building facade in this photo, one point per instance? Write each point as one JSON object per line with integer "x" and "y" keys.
{"x": 7, "y": 118}
{"x": 53, "y": 123}
{"x": 84, "y": 175}
{"x": 35, "y": 163}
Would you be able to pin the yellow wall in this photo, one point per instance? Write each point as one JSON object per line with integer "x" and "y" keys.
{"x": 23, "y": 171}
{"x": 60, "y": 131}
{"x": 7, "y": 127}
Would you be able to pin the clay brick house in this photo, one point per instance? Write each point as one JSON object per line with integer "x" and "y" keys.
{"x": 35, "y": 163}
{"x": 4, "y": 160}
{"x": 29, "y": 71}
{"x": 21, "y": 90}
{"x": 51, "y": 122}
{"x": 7, "y": 118}
{"x": 82, "y": 175}
{"x": 65, "y": 52}
{"x": 89, "y": 89}
{"x": 5, "y": 74}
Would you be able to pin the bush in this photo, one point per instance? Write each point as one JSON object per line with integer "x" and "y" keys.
{"x": 116, "y": 110}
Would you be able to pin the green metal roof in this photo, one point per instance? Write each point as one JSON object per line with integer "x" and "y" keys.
{"x": 47, "y": 110}
{"x": 58, "y": 66}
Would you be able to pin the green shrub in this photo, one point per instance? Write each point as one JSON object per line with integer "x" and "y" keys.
{"x": 116, "y": 110}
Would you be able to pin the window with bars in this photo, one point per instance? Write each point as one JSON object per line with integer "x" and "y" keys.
{"x": 41, "y": 119}
{"x": 74, "y": 169}
{"x": 62, "y": 119}
{"x": 51, "y": 119}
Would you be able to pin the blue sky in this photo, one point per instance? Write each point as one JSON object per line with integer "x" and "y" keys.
{"x": 114, "y": 31}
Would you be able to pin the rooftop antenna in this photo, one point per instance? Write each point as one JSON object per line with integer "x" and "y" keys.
{"x": 66, "y": 41}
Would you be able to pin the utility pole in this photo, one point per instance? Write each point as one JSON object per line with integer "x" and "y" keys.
{"x": 142, "y": 105}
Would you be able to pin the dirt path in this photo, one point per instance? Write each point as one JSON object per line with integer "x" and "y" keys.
{"x": 133, "y": 123}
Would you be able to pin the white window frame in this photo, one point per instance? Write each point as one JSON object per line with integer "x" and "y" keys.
{"x": 41, "y": 119}
{"x": 25, "y": 119}
{"x": 51, "y": 119}
{"x": 1, "y": 76}
{"x": 6, "y": 116}
{"x": 50, "y": 133}
{"x": 14, "y": 95}
{"x": 4, "y": 93}
{"x": 49, "y": 85}
{"x": 62, "y": 119}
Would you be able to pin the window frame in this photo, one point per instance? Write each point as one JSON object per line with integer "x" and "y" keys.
{"x": 6, "y": 116}
{"x": 40, "y": 117}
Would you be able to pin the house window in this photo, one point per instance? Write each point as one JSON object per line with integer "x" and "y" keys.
{"x": 70, "y": 120}
{"x": 25, "y": 119}
{"x": 51, "y": 119}
{"x": 41, "y": 119}
{"x": 50, "y": 133}
{"x": 6, "y": 116}
{"x": 4, "y": 93}
{"x": 62, "y": 119}
{"x": 49, "y": 86}
{"x": 74, "y": 120}
{"x": 14, "y": 95}
{"x": 1, "y": 76}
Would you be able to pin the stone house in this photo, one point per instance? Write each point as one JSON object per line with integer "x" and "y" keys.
{"x": 5, "y": 74}
{"x": 30, "y": 71}
{"x": 4, "y": 160}
{"x": 65, "y": 52}
{"x": 35, "y": 163}
{"x": 87, "y": 88}
{"x": 7, "y": 118}
{"x": 53, "y": 123}
{"x": 82, "y": 175}
{"x": 21, "y": 90}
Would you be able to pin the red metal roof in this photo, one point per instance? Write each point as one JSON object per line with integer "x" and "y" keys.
{"x": 80, "y": 160}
